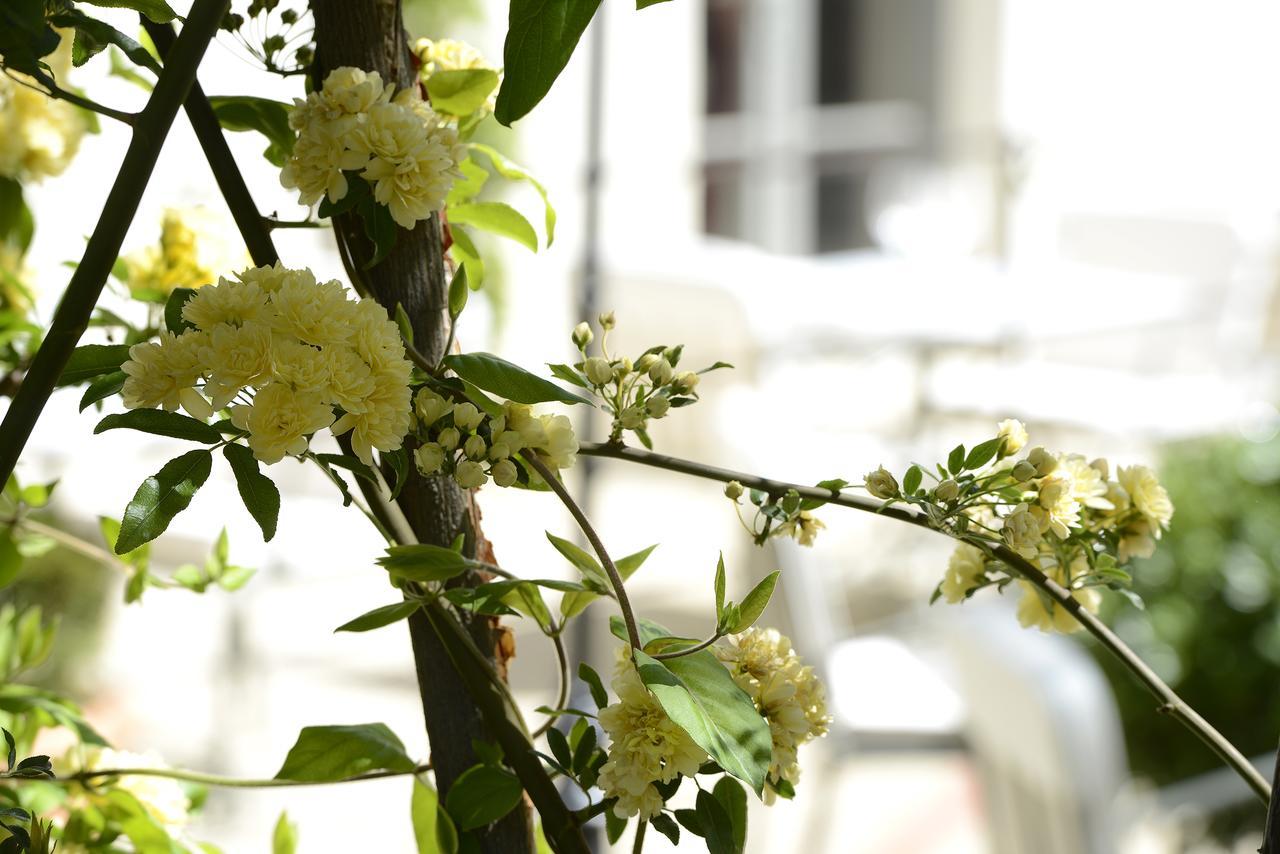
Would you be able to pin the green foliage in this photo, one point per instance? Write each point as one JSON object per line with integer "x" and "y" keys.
{"x": 461, "y": 92}
{"x": 156, "y": 10}
{"x": 93, "y": 360}
{"x": 481, "y": 795}
{"x": 93, "y": 36}
{"x": 258, "y": 492}
{"x": 327, "y": 753}
{"x": 511, "y": 171}
{"x": 241, "y": 113}
{"x": 379, "y": 617}
{"x": 284, "y": 839}
{"x": 161, "y": 423}
{"x": 700, "y": 696}
{"x": 25, "y": 35}
{"x": 541, "y": 37}
{"x": 496, "y": 217}
{"x": 161, "y": 497}
{"x": 754, "y": 603}
{"x": 497, "y": 375}
{"x": 216, "y": 570}
{"x": 425, "y": 563}
{"x": 433, "y": 830}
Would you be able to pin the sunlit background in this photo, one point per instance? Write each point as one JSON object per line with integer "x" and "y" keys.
{"x": 902, "y": 221}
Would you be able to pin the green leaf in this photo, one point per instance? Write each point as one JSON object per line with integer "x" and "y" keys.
{"x": 240, "y": 113}
{"x": 474, "y": 177}
{"x": 92, "y": 36}
{"x": 716, "y": 824}
{"x": 955, "y": 460}
{"x": 161, "y": 423}
{"x": 433, "y": 830}
{"x": 93, "y": 360}
{"x": 424, "y": 562}
{"x": 541, "y": 36}
{"x": 504, "y": 379}
{"x": 161, "y": 497}
{"x": 720, "y": 586}
{"x": 379, "y": 617}
{"x": 10, "y": 557}
{"x": 25, "y": 36}
{"x": 667, "y": 826}
{"x": 699, "y": 695}
{"x": 258, "y": 492}
{"x": 465, "y": 253}
{"x": 17, "y": 226}
{"x": 513, "y": 172}
{"x": 573, "y": 603}
{"x": 584, "y": 562}
{"x": 173, "y": 319}
{"x": 327, "y": 753}
{"x": 754, "y": 603}
{"x": 398, "y": 460}
{"x": 984, "y": 453}
{"x": 482, "y": 795}
{"x": 733, "y": 798}
{"x": 461, "y": 92}
{"x": 497, "y": 218}
{"x": 614, "y": 827}
{"x": 645, "y": 4}
{"x": 568, "y": 374}
{"x": 100, "y": 388}
{"x": 911, "y": 480}
{"x": 598, "y": 695}
{"x": 235, "y": 577}
{"x": 560, "y": 748}
{"x": 285, "y": 838}
{"x": 156, "y": 10}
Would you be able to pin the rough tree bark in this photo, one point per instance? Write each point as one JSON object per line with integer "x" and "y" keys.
{"x": 369, "y": 34}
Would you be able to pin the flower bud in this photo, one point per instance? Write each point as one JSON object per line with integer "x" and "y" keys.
{"x": 1022, "y": 530}
{"x": 1023, "y": 471}
{"x": 947, "y": 490}
{"x": 607, "y": 321}
{"x": 733, "y": 490}
{"x": 598, "y": 371}
{"x": 622, "y": 369}
{"x": 582, "y": 335}
{"x": 1102, "y": 467}
{"x": 686, "y": 381}
{"x": 449, "y": 438}
{"x": 881, "y": 484}
{"x": 431, "y": 407}
{"x": 503, "y": 472}
{"x": 1044, "y": 461}
{"x": 645, "y": 362}
{"x": 1014, "y": 433}
{"x": 475, "y": 448}
{"x": 661, "y": 372}
{"x": 657, "y": 406}
{"x": 429, "y": 457}
{"x": 632, "y": 418}
{"x": 470, "y": 475}
{"x": 467, "y": 417}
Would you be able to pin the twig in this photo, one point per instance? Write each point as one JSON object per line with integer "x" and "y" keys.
{"x": 664, "y": 656}
{"x": 1169, "y": 699}
{"x": 615, "y": 578}
{"x": 53, "y": 90}
{"x": 638, "y": 845}
{"x": 74, "y": 310}
{"x": 72, "y": 542}
{"x": 203, "y": 779}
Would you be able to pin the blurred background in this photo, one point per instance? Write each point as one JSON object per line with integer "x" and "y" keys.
{"x": 902, "y": 221}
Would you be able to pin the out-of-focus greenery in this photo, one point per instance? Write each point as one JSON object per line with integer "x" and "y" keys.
{"x": 1212, "y": 622}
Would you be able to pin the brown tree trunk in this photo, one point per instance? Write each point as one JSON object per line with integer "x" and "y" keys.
{"x": 369, "y": 34}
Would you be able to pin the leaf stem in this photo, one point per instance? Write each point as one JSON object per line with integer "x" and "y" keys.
{"x": 53, "y": 90}
{"x": 204, "y": 779}
{"x": 1170, "y": 702}
{"x": 638, "y": 845}
{"x": 665, "y": 656}
{"x": 72, "y": 542}
{"x": 615, "y": 578}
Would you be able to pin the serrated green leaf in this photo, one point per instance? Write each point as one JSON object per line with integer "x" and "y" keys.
{"x": 716, "y": 825}
{"x": 258, "y": 492}
{"x": 754, "y": 603}
{"x": 93, "y": 360}
{"x": 161, "y": 423}
{"x": 733, "y": 798}
{"x": 327, "y": 753}
{"x": 161, "y": 497}
{"x": 481, "y": 795}
{"x": 504, "y": 379}
{"x": 156, "y": 10}
{"x": 462, "y": 91}
{"x": 379, "y": 617}
{"x": 92, "y": 36}
{"x": 497, "y": 218}
{"x": 423, "y": 562}
{"x": 100, "y": 388}
{"x": 983, "y": 453}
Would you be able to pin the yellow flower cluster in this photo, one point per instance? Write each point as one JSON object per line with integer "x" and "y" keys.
{"x": 397, "y": 144}
{"x": 461, "y": 440}
{"x": 452, "y": 55}
{"x": 38, "y": 135}
{"x": 164, "y": 799}
{"x": 1061, "y": 512}
{"x": 291, "y": 349}
{"x": 180, "y": 261}
{"x": 646, "y": 747}
{"x": 785, "y": 690}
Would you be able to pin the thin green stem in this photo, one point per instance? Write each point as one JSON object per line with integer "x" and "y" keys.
{"x": 664, "y": 656}
{"x": 72, "y": 542}
{"x": 638, "y": 845}
{"x": 615, "y": 577}
{"x": 1170, "y": 702}
{"x": 53, "y": 90}
{"x": 76, "y": 306}
{"x": 203, "y": 779}
{"x": 342, "y": 487}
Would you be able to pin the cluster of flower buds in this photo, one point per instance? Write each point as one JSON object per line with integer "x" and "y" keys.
{"x": 788, "y": 515}
{"x": 1063, "y": 513}
{"x": 465, "y": 442}
{"x": 632, "y": 391}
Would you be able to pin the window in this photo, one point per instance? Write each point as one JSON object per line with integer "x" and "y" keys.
{"x": 724, "y": 26}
